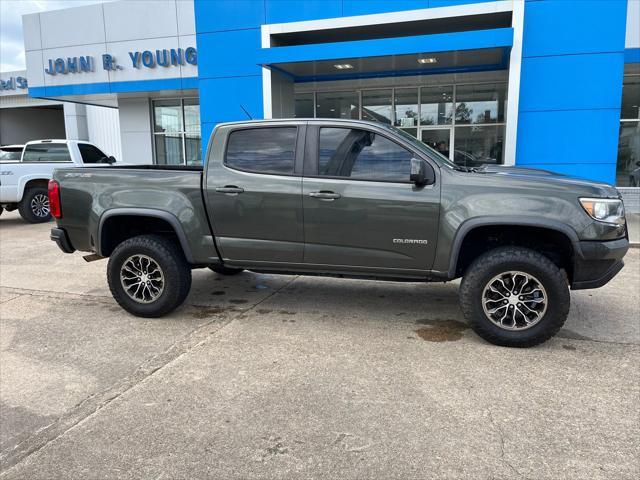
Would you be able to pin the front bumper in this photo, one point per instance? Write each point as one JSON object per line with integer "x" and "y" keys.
{"x": 59, "y": 235}
{"x": 598, "y": 262}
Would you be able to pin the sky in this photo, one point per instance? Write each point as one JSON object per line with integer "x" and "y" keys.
{"x": 11, "y": 40}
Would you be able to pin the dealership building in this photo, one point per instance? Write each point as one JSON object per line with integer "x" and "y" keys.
{"x": 24, "y": 118}
{"x": 551, "y": 84}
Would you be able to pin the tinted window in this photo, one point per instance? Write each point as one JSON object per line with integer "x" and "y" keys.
{"x": 91, "y": 154}
{"x": 46, "y": 152}
{"x": 10, "y": 154}
{"x": 263, "y": 150}
{"x": 362, "y": 155}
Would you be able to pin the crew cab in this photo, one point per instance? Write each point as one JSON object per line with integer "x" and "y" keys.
{"x": 26, "y": 170}
{"x": 347, "y": 198}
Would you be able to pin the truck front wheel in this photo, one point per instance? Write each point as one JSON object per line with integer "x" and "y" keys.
{"x": 148, "y": 275}
{"x": 515, "y": 297}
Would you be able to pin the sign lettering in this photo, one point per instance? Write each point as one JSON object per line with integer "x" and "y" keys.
{"x": 13, "y": 83}
{"x": 141, "y": 59}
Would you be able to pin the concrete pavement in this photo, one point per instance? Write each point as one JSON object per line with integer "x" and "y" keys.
{"x": 263, "y": 376}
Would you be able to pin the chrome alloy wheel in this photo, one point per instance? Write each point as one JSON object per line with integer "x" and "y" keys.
{"x": 142, "y": 278}
{"x": 40, "y": 205}
{"x": 514, "y": 300}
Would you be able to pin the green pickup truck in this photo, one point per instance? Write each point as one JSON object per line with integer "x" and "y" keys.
{"x": 347, "y": 198}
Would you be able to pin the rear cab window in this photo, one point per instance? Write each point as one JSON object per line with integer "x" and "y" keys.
{"x": 46, "y": 153}
{"x": 91, "y": 154}
{"x": 269, "y": 150}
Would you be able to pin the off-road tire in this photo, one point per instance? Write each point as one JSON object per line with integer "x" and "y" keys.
{"x": 222, "y": 270}
{"x": 168, "y": 255}
{"x": 24, "y": 207}
{"x": 504, "y": 259}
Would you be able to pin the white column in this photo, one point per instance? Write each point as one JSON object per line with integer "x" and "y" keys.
{"x": 515, "y": 64}
{"x": 135, "y": 130}
{"x": 75, "y": 121}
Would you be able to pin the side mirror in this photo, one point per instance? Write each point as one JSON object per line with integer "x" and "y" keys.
{"x": 111, "y": 159}
{"x": 421, "y": 173}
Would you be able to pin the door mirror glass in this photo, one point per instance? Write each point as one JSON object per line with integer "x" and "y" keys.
{"x": 418, "y": 174}
{"x": 421, "y": 173}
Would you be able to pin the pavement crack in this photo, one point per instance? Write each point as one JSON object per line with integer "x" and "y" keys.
{"x": 503, "y": 457}
{"x": 97, "y": 401}
{"x": 58, "y": 294}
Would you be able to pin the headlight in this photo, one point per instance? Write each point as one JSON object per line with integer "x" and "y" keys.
{"x": 607, "y": 210}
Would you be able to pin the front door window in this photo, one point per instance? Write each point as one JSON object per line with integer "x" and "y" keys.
{"x": 362, "y": 155}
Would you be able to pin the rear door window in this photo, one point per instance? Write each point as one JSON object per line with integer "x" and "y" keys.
{"x": 46, "y": 152}
{"x": 262, "y": 150}
{"x": 91, "y": 154}
{"x": 362, "y": 155}
{"x": 10, "y": 154}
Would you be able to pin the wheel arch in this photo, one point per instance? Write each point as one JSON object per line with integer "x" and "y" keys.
{"x": 473, "y": 225}
{"x": 29, "y": 181}
{"x": 104, "y": 247}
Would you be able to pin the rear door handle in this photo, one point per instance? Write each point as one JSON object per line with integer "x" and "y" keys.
{"x": 230, "y": 190}
{"x": 325, "y": 195}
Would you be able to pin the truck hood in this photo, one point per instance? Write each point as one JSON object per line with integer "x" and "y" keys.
{"x": 533, "y": 175}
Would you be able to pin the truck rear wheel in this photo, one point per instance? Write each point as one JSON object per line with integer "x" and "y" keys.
{"x": 148, "y": 275}
{"x": 34, "y": 206}
{"x": 515, "y": 297}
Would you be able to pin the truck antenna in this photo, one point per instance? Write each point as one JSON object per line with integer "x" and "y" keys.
{"x": 245, "y": 111}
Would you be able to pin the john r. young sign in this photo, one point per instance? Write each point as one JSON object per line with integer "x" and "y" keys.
{"x": 140, "y": 59}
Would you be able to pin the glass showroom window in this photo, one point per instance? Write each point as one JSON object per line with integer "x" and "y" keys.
{"x": 479, "y": 123}
{"x": 628, "y": 168}
{"x": 304, "y": 105}
{"x": 338, "y": 105}
{"x": 469, "y": 117}
{"x": 376, "y": 105}
{"x": 176, "y": 131}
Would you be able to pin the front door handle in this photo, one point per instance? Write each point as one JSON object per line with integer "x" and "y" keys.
{"x": 230, "y": 190}
{"x": 325, "y": 195}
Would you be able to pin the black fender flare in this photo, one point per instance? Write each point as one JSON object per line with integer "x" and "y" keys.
{"x": 147, "y": 212}
{"x": 538, "y": 222}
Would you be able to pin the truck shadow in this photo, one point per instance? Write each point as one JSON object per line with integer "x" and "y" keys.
{"x": 339, "y": 300}
{"x": 430, "y": 310}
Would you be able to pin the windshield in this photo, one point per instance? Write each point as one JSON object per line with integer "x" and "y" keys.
{"x": 424, "y": 148}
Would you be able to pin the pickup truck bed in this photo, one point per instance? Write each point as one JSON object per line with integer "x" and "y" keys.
{"x": 117, "y": 213}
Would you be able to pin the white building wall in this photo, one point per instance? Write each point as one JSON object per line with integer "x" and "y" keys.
{"x": 135, "y": 130}
{"x": 633, "y": 24}
{"x": 75, "y": 121}
{"x": 116, "y": 28}
{"x": 103, "y": 125}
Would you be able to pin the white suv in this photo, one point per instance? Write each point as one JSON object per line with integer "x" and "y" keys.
{"x": 24, "y": 179}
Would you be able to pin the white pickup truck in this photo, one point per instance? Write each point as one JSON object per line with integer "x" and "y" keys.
{"x": 24, "y": 176}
